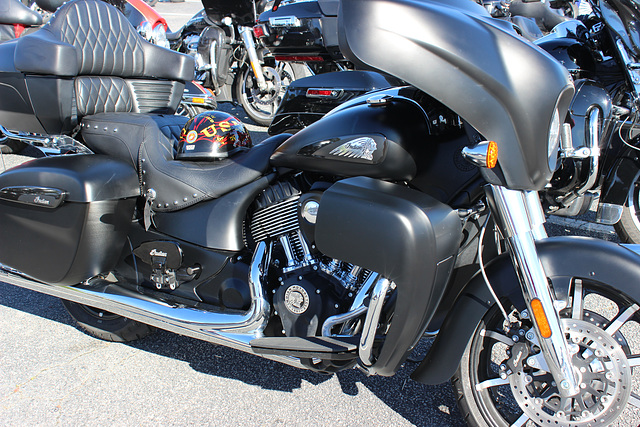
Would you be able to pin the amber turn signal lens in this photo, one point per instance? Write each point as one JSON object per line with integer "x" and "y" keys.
{"x": 484, "y": 154}
{"x": 492, "y": 154}
{"x": 540, "y": 318}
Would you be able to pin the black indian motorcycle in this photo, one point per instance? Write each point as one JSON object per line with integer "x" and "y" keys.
{"x": 341, "y": 245}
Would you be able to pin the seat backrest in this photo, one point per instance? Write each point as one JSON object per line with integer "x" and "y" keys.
{"x": 115, "y": 69}
{"x": 106, "y": 42}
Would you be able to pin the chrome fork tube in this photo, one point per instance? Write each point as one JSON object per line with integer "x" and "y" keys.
{"x": 519, "y": 215}
{"x": 535, "y": 214}
{"x": 247, "y": 38}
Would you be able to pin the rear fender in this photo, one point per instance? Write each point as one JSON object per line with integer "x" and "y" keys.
{"x": 562, "y": 257}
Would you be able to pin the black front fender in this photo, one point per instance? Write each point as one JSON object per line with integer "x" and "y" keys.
{"x": 562, "y": 257}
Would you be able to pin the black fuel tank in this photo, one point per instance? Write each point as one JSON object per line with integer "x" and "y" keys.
{"x": 373, "y": 138}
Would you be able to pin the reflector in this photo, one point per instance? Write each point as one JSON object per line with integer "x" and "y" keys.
{"x": 540, "y": 318}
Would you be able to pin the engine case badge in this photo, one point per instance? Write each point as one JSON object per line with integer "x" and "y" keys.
{"x": 296, "y": 299}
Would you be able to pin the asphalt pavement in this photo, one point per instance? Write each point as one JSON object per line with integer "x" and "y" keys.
{"x": 53, "y": 374}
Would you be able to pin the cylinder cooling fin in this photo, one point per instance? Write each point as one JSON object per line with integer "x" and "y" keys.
{"x": 275, "y": 213}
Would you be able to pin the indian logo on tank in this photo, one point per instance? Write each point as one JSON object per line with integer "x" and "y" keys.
{"x": 359, "y": 148}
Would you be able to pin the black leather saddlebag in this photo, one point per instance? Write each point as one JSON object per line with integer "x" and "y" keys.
{"x": 65, "y": 219}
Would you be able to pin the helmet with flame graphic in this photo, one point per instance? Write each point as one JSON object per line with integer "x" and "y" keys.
{"x": 212, "y": 135}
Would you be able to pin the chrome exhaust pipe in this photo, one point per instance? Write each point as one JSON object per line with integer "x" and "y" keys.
{"x": 231, "y": 330}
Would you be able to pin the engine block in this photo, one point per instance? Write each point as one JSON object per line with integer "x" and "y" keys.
{"x": 276, "y": 219}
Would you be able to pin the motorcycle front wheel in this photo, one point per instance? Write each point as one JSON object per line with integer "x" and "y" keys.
{"x": 502, "y": 378}
{"x": 104, "y": 325}
{"x": 261, "y": 106}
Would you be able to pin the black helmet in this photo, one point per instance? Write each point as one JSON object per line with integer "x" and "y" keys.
{"x": 212, "y": 135}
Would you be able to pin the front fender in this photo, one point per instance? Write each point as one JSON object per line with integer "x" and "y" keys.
{"x": 562, "y": 257}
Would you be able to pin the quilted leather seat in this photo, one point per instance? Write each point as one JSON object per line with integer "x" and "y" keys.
{"x": 113, "y": 67}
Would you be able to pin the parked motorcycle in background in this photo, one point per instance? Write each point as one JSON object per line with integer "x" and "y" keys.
{"x": 304, "y": 31}
{"x": 23, "y": 18}
{"x": 532, "y": 19}
{"x": 232, "y": 61}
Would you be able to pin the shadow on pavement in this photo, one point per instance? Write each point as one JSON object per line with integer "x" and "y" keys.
{"x": 417, "y": 403}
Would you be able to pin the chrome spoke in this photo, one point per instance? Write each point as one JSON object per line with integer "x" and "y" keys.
{"x": 520, "y": 421}
{"x": 492, "y": 383}
{"x": 576, "y": 305}
{"x": 498, "y": 337}
{"x": 634, "y": 400}
{"x": 620, "y": 320}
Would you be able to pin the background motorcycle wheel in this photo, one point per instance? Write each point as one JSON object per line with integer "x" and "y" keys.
{"x": 104, "y": 325}
{"x": 628, "y": 228}
{"x": 487, "y": 400}
{"x": 261, "y": 107}
{"x": 11, "y": 146}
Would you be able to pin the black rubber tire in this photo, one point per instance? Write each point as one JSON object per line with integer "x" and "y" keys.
{"x": 106, "y": 326}
{"x": 471, "y": 412}
{"x": 12, "y": 146}
{"x": 628, "y": 228}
